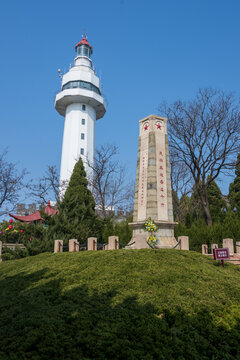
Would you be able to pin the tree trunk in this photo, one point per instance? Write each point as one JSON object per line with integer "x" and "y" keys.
{"x": 207, "y": 214}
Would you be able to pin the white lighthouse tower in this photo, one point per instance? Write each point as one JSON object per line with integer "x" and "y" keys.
{"x": 81, "y": 103}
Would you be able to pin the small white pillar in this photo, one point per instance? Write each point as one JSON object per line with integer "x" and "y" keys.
{"x": 213, "y": 246}
{"x": 113, "y": 243}
{"x": 238, "y": 247}
{"x": 228, "y": 243}
{"x": 58, "y": 246}
{"x": 184, "y": 244}
{"x": 105, "y": 246}
{"x": 73, "y": 245}
{"x": 92, "y": 243}
{"x": 204, "y": 249}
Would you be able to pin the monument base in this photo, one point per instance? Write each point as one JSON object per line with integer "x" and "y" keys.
{"x": 164, "y": 234}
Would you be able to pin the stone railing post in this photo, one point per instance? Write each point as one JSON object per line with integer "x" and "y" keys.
{"x": 58, "y": 246}
{"x": 184, "y": 244}
{"x": 213, "y": 246}
{"x": 73, "y": 245}
{"x": 105, "y": 246}
{"x": 113, "y": 243}
{"x": 204, "y": 249}
{"x": 92, "y": 243}
{"x": 238, "y": 248}
{"x": 228, "y": 243}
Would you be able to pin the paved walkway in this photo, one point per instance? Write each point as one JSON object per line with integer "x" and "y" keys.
{"x": 234, "y": 259}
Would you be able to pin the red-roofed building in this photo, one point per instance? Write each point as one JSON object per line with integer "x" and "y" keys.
{"x": 34, "y": 217}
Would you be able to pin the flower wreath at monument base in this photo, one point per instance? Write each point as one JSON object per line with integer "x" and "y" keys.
{"x": 150, "y": 227}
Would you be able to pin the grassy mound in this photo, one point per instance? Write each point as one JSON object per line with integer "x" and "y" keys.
{"x": 125, "y": 304}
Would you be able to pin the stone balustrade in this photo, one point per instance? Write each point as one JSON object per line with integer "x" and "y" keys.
{"x": 204, "y": 249}
{"x": 58, "y": 246}
{"x": 113, "y": 244}
{"x": 228, "y": 243}
{"x": 73, "y": 245}
{"x": 238, "y": 248}
{"x": 92, "y": 243}
{"x": 184, "y": 242}
{"x": 213, "y": 246}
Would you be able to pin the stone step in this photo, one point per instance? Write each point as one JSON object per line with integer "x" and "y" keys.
{"x": 234, "y": 259}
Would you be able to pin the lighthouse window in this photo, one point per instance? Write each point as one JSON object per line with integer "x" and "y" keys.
{"x": 83, "y": 107}
{"x": 80, "y": 50}
{"x": 81, "y": 85}
{"x": 85, "y": 51}
{"x": 83, "y": 121}
{"x": 82, "y": 136}
{"x": 82, "y": 151}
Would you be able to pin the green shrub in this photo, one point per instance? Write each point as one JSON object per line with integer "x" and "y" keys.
{"x": 199, "y": 233}
{"x": 123, "y": 230}
{"x": 9, "y": 254}
{"x": 124, "y": 304}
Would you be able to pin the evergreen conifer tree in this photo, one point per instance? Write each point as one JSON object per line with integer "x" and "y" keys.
{"x": 195, "y": 211}
{"x": 216, "y": 202}
{"x": 234, "y": 188}
{"x": 76, "y": 218}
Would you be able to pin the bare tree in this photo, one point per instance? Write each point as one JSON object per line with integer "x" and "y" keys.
{"x": 48, "y": 187}
{"x": 108, "y": 181}
{"x": 11, "y": 184}
{"x": 205, "y": 134}
{"x": 181, "y": 180}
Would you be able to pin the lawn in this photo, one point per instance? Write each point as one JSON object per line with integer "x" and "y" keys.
{"x": 121, "y": 304}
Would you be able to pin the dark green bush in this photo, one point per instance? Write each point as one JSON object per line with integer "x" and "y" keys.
{"x": 18, "y": 253}
{"x": 125, "y": 304}
{"x": 199, "y": 233}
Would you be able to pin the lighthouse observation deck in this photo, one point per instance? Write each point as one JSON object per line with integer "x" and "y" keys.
{"x": 80, "y": 84}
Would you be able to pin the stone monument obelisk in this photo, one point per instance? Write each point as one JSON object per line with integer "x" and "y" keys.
{"x": 153, "y": 192}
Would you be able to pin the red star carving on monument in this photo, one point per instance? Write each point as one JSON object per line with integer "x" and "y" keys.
{"x": 159, "y": 126}
{"x": 145, "y": 127}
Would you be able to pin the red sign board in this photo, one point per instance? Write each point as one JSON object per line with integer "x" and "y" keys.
{"x": 221, "y": 254}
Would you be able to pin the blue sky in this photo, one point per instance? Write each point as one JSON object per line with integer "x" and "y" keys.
{"x": 144, "y": 52}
